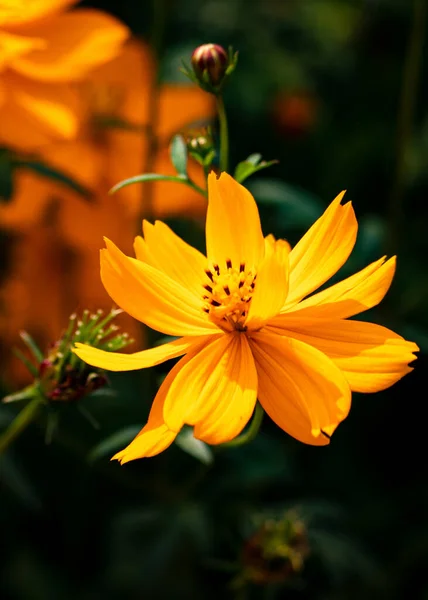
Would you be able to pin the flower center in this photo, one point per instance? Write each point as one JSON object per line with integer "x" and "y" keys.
{"x": 228, "y": 295}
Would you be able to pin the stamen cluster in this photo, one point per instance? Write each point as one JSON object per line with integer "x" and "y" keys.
{"x": 229, "y": 294}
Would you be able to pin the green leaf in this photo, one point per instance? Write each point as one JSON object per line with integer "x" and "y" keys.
{"x": 116, "y": 441}
{"x": 297, "y": 208}
{"x": 50, "y": 172}
{"x": 178, "y": 154}
{"x": 199, "y": 450}
{"x": 144, "y": 177}
{"x": 251, "y": 165}
{"x": 254, "y": 159}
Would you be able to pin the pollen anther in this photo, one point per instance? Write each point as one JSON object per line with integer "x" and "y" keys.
{"x": 229, "y": 295}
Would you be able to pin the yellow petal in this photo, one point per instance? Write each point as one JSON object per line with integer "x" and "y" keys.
{"x": 322, "y": 250}
{"x": 76, "y": 42}
{"x": 212, "y": 377}
{"x": 371, "y": 357}
{"x": 155, "y": 436}
{"x": 236, "y": 400}
{"x": 150, "y": 441}
{"x": 118, "y": 361}
{"x": 174, "y": 257}
{"x": 233, "y": 229}
{"x": 151, "y": 296}
{"x": 271, "y": 284}
{"x": 301, "y": 389}
{"x": 351, "y": 296}
{"x": 17, "y": 12}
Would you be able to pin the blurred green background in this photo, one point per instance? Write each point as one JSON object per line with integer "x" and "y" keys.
{"x": 320, "y": 86}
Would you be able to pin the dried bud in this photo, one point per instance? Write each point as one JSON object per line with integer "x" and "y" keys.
{"x": 210, "y": 62}
{"x": 276, "y": 551}
{"x": 211, "y": 67}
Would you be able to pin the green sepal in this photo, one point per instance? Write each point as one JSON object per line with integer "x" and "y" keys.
{"x": 25, "y": 394}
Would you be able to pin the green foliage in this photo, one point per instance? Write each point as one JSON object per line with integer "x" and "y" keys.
{"x": 251, "y": 165}
{"x": 178, "y": 153}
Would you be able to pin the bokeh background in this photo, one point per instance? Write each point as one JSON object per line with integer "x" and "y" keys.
{"x": 337, "y": 91}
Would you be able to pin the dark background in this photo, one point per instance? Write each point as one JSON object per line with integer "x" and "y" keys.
{"x": 171, "y": 527}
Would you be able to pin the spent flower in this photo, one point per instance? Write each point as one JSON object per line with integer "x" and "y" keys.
{"x": 60, "y": 376}
{"x": 276, "y": 551}
{"x": 249, "y": 325}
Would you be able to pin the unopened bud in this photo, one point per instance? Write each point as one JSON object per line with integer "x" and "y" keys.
{"x": 200, "y": 145}
{"x": 211, "y": 67}
{"x": 209, "y": 63}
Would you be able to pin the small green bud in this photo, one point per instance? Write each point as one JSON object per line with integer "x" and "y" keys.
{"x": 200, "y": 145}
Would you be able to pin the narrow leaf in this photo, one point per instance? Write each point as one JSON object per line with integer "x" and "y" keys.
{"x": 250, "y": 166}
{"x": 52, "y": 173}
{"x": 31, "y": 345}
{"x": 147, "y": 177}
{"x": 25, "y": 394}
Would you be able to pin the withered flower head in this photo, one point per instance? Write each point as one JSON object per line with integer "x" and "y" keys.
{"x": 276, "y": 551}
{"x": 61, "y": 376}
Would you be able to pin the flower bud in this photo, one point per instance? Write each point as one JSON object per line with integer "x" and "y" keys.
{"x": 211, "y": 67}
{"x": 200, "y": 145}
{"x": 210, "y": 62}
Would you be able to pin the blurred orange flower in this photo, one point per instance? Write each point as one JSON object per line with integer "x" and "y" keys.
{"x": 295, "y": 113}
{"x": 43, "y": 46}
{"x": 113, "y": 144}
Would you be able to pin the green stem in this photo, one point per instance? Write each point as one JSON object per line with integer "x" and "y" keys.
{"x": 21, "y": 421}
{"x": 251, "y": 432}
{"x": 196, "y": 187}
{"x": 406, "y": 111}
{"x": 224, "y": 135}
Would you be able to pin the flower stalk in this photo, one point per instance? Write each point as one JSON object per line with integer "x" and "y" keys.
{"x": 224, "y": 135}
{"x": 406, "y": 112}
{"x": 22, "y": 420}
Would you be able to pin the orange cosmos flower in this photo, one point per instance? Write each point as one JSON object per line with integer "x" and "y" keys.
{"x": 42, "y": 47}
{"x": 249, "y": 329}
